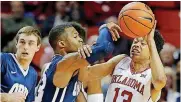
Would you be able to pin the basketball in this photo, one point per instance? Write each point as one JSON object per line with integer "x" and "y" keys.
{"x": 136, "y": 19}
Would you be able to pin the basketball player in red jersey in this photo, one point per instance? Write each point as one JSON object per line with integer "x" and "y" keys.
{"x": 138, "y": 78}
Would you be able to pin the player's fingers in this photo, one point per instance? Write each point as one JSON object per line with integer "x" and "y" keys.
{"x": 79, "y": 52}
{"x": 117, "y": 28}
{"x": 82, "y": 53}
{"x": 116, "y": 32}
{"x": 86, "y": 51}
{"x": 89, "y": 48}
{"x": 113, "y": 35}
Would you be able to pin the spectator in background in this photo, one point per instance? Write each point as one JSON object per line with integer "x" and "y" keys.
{"x": 169, "y": 93}
{"x": 16, "y": 21}
{"x": 167, "y": 54}
{"x": 76, "y": 12}
{"x": 96, "y": 12}
{"x": 59, "y": 17}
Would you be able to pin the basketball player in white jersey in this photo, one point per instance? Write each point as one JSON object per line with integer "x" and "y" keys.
{"x": 138, "y": 78}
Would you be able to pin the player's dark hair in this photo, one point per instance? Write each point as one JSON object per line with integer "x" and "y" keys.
{"x": 159, "y": 41}
{"x": 56, "y": 32}
{"x": 80, "y": 30}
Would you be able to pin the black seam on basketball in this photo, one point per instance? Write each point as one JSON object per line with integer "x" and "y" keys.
{"x": 137, "y": 21}
{"x": 128, "y": 27}
{"x": 138, "y": 9}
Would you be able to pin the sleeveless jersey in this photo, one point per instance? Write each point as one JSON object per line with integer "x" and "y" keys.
{"x": 47, "y": 92}
{"x": 15, "y": 79}
{"x": 127, "y": 86}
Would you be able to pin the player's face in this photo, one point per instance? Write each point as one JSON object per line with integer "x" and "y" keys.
{"x": 139, "y": 49}
{"x": 73, "y": 40}
{"x": 27, "y": 46}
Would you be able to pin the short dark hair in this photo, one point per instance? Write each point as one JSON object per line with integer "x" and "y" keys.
{"x": 56, "y": 32}
{"x": 80, "y": 30}
{"x": 29, "y": 30}
{"x": 159, "y": 41}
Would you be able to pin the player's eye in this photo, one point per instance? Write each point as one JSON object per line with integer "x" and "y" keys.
{"x": 22, "y": 42}
{"x": 31, "y": 43}
{"x": 136, "y": 41}
{"x": 143, "y": 43}
{"x": 75, "y": 36}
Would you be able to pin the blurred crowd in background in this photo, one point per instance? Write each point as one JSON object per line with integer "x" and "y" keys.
{"x": 92, "y": 14}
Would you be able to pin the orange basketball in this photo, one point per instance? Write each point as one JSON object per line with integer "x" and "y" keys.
{"x": 136, "y": 19}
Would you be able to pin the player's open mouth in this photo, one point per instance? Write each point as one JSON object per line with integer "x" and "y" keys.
{"x": 135, "y": 52}
{"x": 25, "y": 53}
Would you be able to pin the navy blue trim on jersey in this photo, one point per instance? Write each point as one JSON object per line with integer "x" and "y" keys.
{"x": 51, "y": 93}
{"x": 14, "y": 80}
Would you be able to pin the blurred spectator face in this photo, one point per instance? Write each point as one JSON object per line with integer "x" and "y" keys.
{"x": 170, "y": 78}
{"x": 112, "y": 19}
{"x": 167, "y": 54}
{"x": 60, "y": 6}
{"x": 17, "y": 8}
{"x": 169, "y": 81}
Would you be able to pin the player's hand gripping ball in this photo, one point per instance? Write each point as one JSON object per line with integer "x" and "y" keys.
{"x": 136, "y": 19}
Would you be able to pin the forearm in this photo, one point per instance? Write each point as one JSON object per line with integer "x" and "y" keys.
{"x": 94, "y": 86}
{"x": 4, "y": 97}
{"x": 157, "y": 69}
{"x": 71, "y": 62}
{"x": 104, "y": 69}
{"x": 103, "y": 47}
{"x": 81, "y": 98}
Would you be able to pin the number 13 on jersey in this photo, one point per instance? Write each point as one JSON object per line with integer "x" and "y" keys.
{"x": 123, "y": 94}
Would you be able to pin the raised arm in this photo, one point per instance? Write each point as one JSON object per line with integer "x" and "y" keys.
{"x": 157, "y": 69}
{"x": 71, "y": 62}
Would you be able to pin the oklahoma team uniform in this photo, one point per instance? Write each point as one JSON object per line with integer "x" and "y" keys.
{"x": 47, "y": 92}
{"x": 15, "y": 79}
{"x": 127, "y": 86}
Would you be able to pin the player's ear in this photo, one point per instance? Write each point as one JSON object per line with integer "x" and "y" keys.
{"x": 38, "y": 48}
{"x": 61, "y": 44}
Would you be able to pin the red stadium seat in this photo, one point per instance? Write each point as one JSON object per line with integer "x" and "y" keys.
{"x": 163, "y": 4}
{"x": 92, "y": 31}
{"x": 168, "y": 19}
{"x": 36, "y": 58}
{"x": 171, "y": 36}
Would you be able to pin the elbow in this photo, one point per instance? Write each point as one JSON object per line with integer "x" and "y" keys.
{"x": 160, "y": 83}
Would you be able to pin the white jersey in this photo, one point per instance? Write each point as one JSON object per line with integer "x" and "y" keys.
{"x": 127, "y": 86}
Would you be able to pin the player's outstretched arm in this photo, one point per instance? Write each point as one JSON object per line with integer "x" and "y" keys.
{"x": 157, "y": 69}
{"x": 99, "y": 71}
{"x": 71, "y": 62}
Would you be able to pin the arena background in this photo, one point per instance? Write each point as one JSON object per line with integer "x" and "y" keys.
{"x": 91, "y": 15}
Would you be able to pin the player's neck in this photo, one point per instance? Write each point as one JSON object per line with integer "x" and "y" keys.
{"x": 61, "y": 52}
{"x": 140, "y": 66}
{"x": 24, "y": 63}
